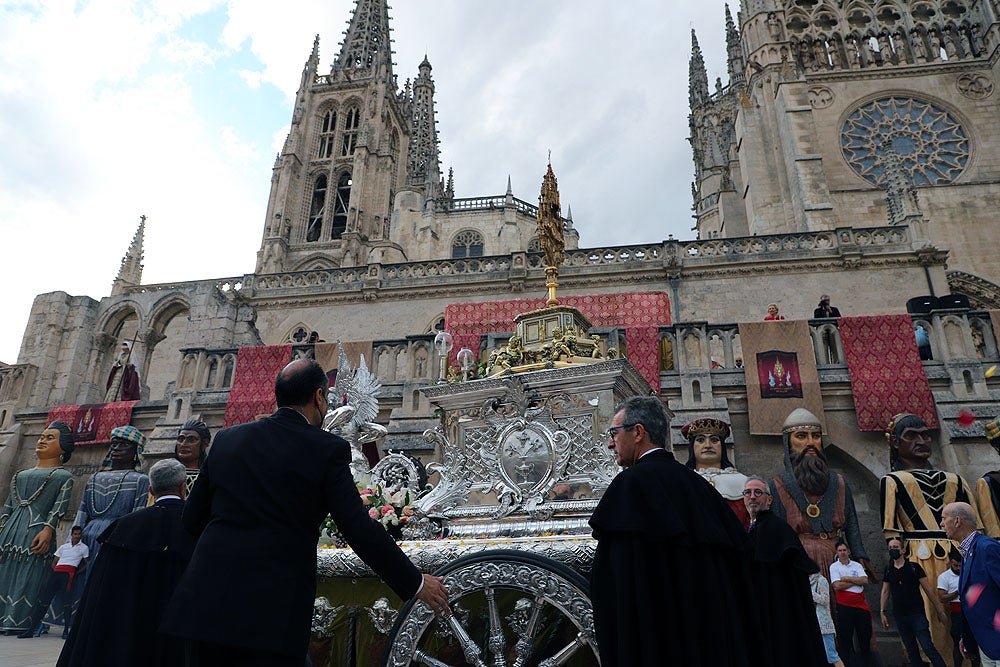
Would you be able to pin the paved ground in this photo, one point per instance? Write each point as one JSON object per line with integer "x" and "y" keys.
{"x": 36, "y": 652}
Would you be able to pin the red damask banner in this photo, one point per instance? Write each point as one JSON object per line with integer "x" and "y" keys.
{"x": 887, "y": 376}
{"x": 252, "y": 394}
{"x": 640, "y": 313}
{"x": 92, "y": 424}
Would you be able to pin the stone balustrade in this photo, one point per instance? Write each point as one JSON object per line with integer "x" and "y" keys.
{"x": 959, "y": 336}
{"x": 671, "y": 255}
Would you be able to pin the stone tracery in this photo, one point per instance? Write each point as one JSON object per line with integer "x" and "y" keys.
{"x": 932, "y": 145}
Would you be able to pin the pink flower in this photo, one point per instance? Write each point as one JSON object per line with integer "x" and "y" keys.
{"x": 366, "y": 500}
{"x": 373, "y": 513}
{"x": 407, "y": 511}
{"x": 388, "y": 509}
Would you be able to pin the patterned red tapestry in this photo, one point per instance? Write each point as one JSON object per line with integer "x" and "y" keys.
{"x": 92, "y": 424}
{"x": 252, "y": 394}
{"x": 887, "y": 376}
{"x": 640, "y": 313}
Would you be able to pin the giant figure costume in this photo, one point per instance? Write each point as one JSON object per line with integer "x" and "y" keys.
{"x": 912, "y": 502}
{"x": 118, "y": 619}
{"x": 38, "y": 498}
{"x": 819, "y": 519}
{"x": 110, "y": 494}
{"x": 671, "y": 578}
{"x": 726, "y": 479}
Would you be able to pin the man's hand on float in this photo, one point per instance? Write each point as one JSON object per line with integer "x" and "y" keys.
{"x": 434, "y": 594}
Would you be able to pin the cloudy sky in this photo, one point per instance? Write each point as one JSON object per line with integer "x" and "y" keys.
{"x": 176, "y": 108}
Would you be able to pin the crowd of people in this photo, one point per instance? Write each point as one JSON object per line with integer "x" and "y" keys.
{"x": 782, "y": 569}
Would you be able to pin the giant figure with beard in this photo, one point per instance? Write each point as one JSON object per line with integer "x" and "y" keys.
{"x": 914, "y": 494}
{"x": 816, "y": 502}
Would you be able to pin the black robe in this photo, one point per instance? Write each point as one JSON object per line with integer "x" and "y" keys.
{"x": 143, "y": 555}
{"x": 671, "y": 578}
{"x": 783, "y": 596}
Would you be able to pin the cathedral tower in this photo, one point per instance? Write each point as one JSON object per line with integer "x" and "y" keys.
{"x": 345, "y": 156}
{"x": 858, "y": 114}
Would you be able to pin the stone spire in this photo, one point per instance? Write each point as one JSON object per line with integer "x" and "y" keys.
{"x": 130, "y": 271}
{"x": 734, "y": 51}
{"x": 424, "y": 169}
{"x": 697, "y": 76}
{"x": 367, "y": 43}
{"x": 449, "y": 189}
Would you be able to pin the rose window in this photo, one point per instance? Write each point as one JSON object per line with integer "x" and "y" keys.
{"x": 932, "y": 146}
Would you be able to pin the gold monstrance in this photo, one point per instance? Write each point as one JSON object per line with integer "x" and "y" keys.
{"x": 550, "y": 233}
{"x": 554, "y": 336}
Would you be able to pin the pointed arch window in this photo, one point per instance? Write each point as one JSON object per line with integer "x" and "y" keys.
{"x": 351, "y": 123}
{"x": 316, "y": 209}
{"x": 467, "y": 244}
{"x": 340, "y": 206}
{"x": 327, "y": 135}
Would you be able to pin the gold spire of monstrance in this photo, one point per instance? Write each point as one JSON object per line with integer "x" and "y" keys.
{"x": 550, "y": 232}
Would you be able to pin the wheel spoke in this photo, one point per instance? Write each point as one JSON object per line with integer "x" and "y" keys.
{"x": 497, "y": 643}
{"x": 425, "y": 659}
{"x": 564, "y": 654}
{"x": 473, "y": 655}
{"x": 526, "y": 644}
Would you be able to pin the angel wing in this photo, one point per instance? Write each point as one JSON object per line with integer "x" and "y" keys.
{"x": 363, "y": 393}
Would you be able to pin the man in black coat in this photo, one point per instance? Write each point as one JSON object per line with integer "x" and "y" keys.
{"x": 247, "y": 596}
{"x": 671, "y": 577}
{"x": 143, "y": 555}
{"x": 781, "y": 568}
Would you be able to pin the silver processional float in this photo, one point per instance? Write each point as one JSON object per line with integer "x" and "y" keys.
{"x": 521, "y": 465}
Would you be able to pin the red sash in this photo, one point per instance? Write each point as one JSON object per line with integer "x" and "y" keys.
{"x": 849, "y": 599}
{"x": 68, "y": 569}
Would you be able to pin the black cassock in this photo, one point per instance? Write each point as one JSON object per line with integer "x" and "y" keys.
{"x": 671, "y": 578}
{"x": 785, "y": 605}
{"x": 142, "y": 557}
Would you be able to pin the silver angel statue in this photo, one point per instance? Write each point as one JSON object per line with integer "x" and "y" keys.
{"x": 353, "y": 409}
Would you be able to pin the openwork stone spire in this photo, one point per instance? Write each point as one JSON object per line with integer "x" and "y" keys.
{"x": 734, "y": 51}
{"x": 423, "y": 168}
{"x": 130, "y": 271}
{"x": 697, "y": 76}
{"x": 367, "y": 43}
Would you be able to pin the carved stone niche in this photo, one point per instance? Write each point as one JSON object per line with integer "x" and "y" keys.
{"x": 528, "y": 448}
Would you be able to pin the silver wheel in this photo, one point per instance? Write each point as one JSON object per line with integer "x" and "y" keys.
{"x": 509, "y": 609}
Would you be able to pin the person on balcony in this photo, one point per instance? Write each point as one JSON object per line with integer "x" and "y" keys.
{"x": 772, "y": 313}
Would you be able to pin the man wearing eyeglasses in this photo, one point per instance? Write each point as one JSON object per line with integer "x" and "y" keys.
{"x": 670, "y": 554}
{"x": 781, "y": 569}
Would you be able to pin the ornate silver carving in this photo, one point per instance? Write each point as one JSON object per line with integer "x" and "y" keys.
{"x": 395, "y": 471}
{"x": 353, "y": 406}
{"x": 382, "y": 615}
{"x": 546, "y": 587}
{"x": 576, "y": 551}
{"x": 324, "y": 615}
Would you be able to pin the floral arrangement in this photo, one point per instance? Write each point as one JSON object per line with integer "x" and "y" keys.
{"x": 392, "y": 509}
